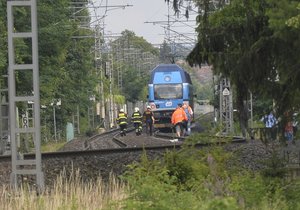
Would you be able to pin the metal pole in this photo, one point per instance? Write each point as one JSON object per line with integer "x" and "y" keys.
{"x": 251, "y": 109}
{"x": 78, "y": 126}
{"x": 54, "y": 122}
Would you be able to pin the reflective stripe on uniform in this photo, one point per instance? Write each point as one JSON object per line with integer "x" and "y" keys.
{"x": 122, "y": 118}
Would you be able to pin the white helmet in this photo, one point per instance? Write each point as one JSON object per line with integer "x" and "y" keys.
{"x": 121, "y": 110}
{"x": 136, "y": 109}
{"x": 148, "y": 107}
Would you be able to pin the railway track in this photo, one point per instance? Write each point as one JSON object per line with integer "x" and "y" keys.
{"x": 111, "y": 141}
{"x": 93, "y": 160}
{"x": 104, "y": 140}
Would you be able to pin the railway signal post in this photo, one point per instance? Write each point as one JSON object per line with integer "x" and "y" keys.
{"x": 226, "y": 109}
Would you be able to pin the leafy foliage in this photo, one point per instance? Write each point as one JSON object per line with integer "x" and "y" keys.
{"x": 134, "y": 77}
{"x": 65, "y": 59}
{"x": 66, "y": 63}
{"x": 3, "y": 37}
{"x": 253, "y": 44}
{"x": 202, "y": 179}
{"x": 133, "y": 85}
{"x": 286, "y": 44}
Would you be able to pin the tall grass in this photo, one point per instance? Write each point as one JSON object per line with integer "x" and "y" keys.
{"x": 67, "y": 193}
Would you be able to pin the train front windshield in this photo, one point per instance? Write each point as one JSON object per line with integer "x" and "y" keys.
{"x": 168, "y": 91}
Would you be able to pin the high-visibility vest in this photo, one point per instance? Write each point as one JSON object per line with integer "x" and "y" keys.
{"x": 178, "y": 116}
{"x": 122, "y": 118}
{"x": 136, "y": 117}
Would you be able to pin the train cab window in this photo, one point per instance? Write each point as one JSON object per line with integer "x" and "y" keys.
{"x": 168, "y": 91}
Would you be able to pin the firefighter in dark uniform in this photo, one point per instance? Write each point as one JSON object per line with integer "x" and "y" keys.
{"x": 149, "y": 120}
{"x": 122, "y": 122}
{"x": 136, "y": 118}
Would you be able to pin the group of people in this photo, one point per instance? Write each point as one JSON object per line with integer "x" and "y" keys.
{"x": 290, "y": 126}
{"x": 181, "y": 119}
{"x": 137, "y": 118}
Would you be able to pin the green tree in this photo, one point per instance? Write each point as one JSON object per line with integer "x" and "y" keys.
{"x": 134, "y": 85}
{"x": 295, "y": 20}
{"x": 256, "y": 45}
{"x": 226, "y": 40}
{"x": 65, "y": 59}
{"x": 283, "y": 16}
{"x": 128, "y": 57}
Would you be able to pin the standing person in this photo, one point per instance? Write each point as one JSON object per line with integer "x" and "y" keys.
{"x": 295, "y": 124}
{"x": 122, "y": 122}
{"x": 149, "y": 120}
{"x": 189, "y": 113}
{"x": 270, "y": 121}
{"x": 137, "y": 121}
{"x": 288, "y": 132}
{"x": 271, "y": 124}
{"x": 178, "y": 120}
{"x": 264, "y": 119}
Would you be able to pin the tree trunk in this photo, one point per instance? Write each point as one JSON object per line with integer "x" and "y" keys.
{"x": 242, "y": 106}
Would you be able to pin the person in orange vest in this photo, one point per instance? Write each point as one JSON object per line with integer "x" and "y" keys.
{"x": 179, "y": 120}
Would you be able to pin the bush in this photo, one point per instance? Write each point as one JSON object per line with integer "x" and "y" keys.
{"x": 200, "y": 179}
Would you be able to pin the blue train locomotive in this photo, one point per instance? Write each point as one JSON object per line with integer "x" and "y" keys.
{"x": 169, "y": 85}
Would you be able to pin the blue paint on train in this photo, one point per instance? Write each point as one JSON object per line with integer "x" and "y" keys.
{"x": 169, "y": 85}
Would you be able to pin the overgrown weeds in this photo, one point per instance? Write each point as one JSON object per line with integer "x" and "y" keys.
{"x": 67, "y": 193}
{"x": 201, "y": 179}
{"x": 185, "y": 179}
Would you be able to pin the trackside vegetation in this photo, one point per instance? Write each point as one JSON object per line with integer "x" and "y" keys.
{"x": 183, "y": 179}
{"x": 202, "y": 179}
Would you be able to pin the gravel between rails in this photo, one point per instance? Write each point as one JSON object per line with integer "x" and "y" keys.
{"x": 105, "y": 141}
{"x": 144, "y": 140}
